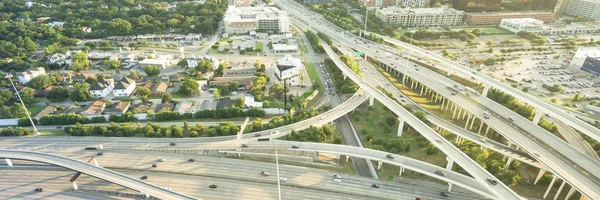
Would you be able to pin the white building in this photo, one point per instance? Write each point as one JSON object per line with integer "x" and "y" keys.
{"x": 245, "y": 19}
{"x": 522, "y": 24}
{"x": 124, "y": 88}
{"x": 53, "y": 24}
{"x": 289, "y": 68}
{"x": 192, "y": 62}
{"x": 102, "y": 88}
{"x": 584, "y": 52}
{"x": 29, "y": 74}
{"x": 413, "y": 3}
{"x": 421, "y": 17}
{"x": 250, "y": 103}
{"x": 28, "y": 4}
{"x": 59, "y": 59}
{"x": 589, "y": 9}
{"x": 86, "y": 29}
{"x": 160, "y": 62}
{"x": 285, "y": 48}
{"x": 192, "y": 37}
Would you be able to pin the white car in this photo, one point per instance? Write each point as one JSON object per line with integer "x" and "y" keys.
{"x": 161, "y": 160}
{"x": 283, "y": 179}
{"x": 438, "y": 140}
{"x": 335, "y": 176}
{"x": 337, "y": 180}
{"x": 538, "y": 154}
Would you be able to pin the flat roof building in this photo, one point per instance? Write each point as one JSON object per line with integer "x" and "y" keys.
{"x": 285, "y": 48}
{"x": 583, "y": 53}
{"x": 589, "y": 9}
{"x": 494, "y": 18}
{"x": 522, "y": 24}
{"x": 246, "y": 19}
{"x": 421, "y": 17}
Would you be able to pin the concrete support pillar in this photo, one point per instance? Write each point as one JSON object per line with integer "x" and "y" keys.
{"x": 550, "y": 186}
{"x": 96, "y": 163}
{"x": 400, "y": 126}
{"x": 454, "y": 112}
{"x": 345, "y": 76}
{"x": 449, "y": 72}
{"x": 371, "y": 100}
{"x": 401, "y": 170}
{"x": 457, "y": 139}
{"x": 8, "y": 162}
{"x": 480, "y": 126}
{"x": 74, "y": 185}
{"x": 379, "y": 165}
{"x": 562, "y": 185}
{"x": 460, "y": 111}
{"x": 450, "y": 163}
{"x": 443, "y": 102}
{"x": 464, "y": 113}
{"x": 508, "y": 162}
{"x": 486, "y": 88}
{"x": 422, "y": 90}
{"x": 540, "y": 174}
{"x": 487, "y": 130}
{"x": 347, "y": 158}
{"x": 467, "y": 123}
{"x": 449, "y": 187}
{"x": 472, "y": 122}
{"x": 570, "y": 193}
{"x": 538, "y": 116}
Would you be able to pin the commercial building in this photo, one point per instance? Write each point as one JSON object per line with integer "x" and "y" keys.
{"x": 589, "y": 9}
{"x": 285, "y": 48}
{"x": 591, "y": 64}
{"x": 192, "y": 62}
{"x": 289, "y": 69}
{"x": 161, "y": 62}
{"x": 494, "y": 18}
{"x": 245, "y": 19}
{"x": 29, "y": 74}
{"x": 583, "y": 53}
{"x": 573, "y": 28}
{"x": 522, "y": 24}
{"x": 421, "y": 17}
{"x": 413, "y": 3}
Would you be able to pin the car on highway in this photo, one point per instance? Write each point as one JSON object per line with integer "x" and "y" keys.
{"x": 144, "y": 177}
{"x": 492, "y": 181}
{"x": 154, "y": 165}
{"x": 59, "y": 127}
{"x": 419, "y": 198}
{"x": 335, "y": 176}
{"x": 440, "y": 172}
{"x": 244, "y": 145}
{"x": 374, "y": 185}
{"x": 100, "y": 153}
{"x": 538, "y": 154}
{"x": 168, "y": 188}
{"x": 264, "y": 173}
{"x": 438, "y": 140}
{"x": 173, "y": 144}
{"x": 453, "y": 94}
{"x": 40, "y": 189}
{"x": 390, "y": 156}
{"x": 283, "y": 179}
{"x": 257, "y": 135}
{"x": 511, "y": 119}
{"x": 192, "y": 160}
{"x": 337, "y": 180}
{"x": 161, "y": 160}
{"x": 482, "y": 139}
{"x": 212, "y": 186}
{"x": 445, "y": 194}
{"x": 295, "y": 147}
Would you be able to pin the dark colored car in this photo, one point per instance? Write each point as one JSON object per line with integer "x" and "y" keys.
{"x": 59, "y": 127}
{"x": 173, "y": 144}
{"x": 40, "y": 189}
{"x": 445, "y": 194}
{"x": 192, "y": 160}
{"x": 212, "y": 186}
{"x": 295, "y": 147}
{"x": 375, "y": 185}
{"x": 440, "y": 172}
{"x": 144, "y": 177}
{"x": 154, "y": 165}
{"x": 244, "y": 145}
{"x": 100, "y": 153}
{"x": 492, "y": 181}
{"x": 390, "y": 156}
{"x": 257, "y": 135}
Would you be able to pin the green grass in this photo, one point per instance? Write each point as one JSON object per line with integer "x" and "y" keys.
{"x": 269, "y": 102}
{"x": 34, "y": 109}
{"x": 258, "y": 45}
{"x": 314, "y": 76}
{"x": 57, "y": 132}
{"x": 490, "y": 30}
{"x": 302, "y": 46}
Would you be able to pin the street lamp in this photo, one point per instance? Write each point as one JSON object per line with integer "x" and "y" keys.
{"x": 408, "y": 53}
{"x": 277, "y": 165}
{"x": 9, "y": 77}
{"x": 367, "y": 19}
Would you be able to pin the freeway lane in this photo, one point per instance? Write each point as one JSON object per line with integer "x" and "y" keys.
{"x": 91, "y": 170}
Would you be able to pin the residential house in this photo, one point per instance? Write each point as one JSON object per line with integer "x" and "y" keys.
{"x": 246, "y": 81}
{"x": 192, "y": 62}
{"x": 225, "y": 103}
{"x": 289, "y": 69}
{"x": 54, "y": 24}
{"x": 29, "y": 74}
{"x": 58, "y": 59}
{"x": 95, "y": 108}
{"x": 250, "y": 103}
{"x": 184, "y": 107}
{"x": 102, "y": 87}
{"x": 164, "y": 107}
{"x": 118, "y": 109}
{"x": 159, "y": 88}
{"x": 140, "y": 107}
{"x": 43, "y": 92}
{"x": 46, "y": 111}
{"x": 81, "y": 77}
{"x": 70, "y": 109}
{"x": 124, "y": 87}
{"x": 86, "y": 29}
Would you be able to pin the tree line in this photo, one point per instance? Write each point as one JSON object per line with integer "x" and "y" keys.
{"x": 153, "y": 130}
{"x": 524, "y": 110}
{"x": 325, "y": 134}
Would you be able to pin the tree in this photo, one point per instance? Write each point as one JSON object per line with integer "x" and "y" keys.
{"x": 27, "y": 96}
{"x": 577, "y": 97}
{"x": 219, "y": 71}
{"x": 238, "y": 103}
{"x": 217, "y": 94}
{"x": 142, "y": 91}
{"x": 81, "y": 92}
{"x": 30, "y": 45}
{"x": 6, "y": 98}
{"x": 276, "y": 90}
{"x": 80, "y": 62}
{"x": 166, "y": 97}
{"x": 152, "y": 71}
{"x": 189, "y": 87}
{"x": 182, "y": 63}
{"x": 114, "y": 64}
{"x": 39, "y": 82}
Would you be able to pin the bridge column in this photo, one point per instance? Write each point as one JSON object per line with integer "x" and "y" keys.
{"x": 457, "y": 139}
{"x": 379, "y": 163}
{"x": 540, "y": 174}
{"x": 74, "y": 185}
{"x": 449, "y": 187}
{"x": 449, "y": 72}
{"x": 550, "y": 186}
{"x": 508, "y": 162}
{"x": 401, "y": 170}
{"x": 345, "y": 76}
{"x": 450, "y": 163}
{"x": 537, "y": 117}
{"x": 347, "y": 158}
{"x": 480, "y": 127}
{"x": 400, "y": 126}
{"x": 464, "y": 113}
{"x": 443, "y": 102}
{"x": 570, "y": 193}
{"x": 422, "y": 90}
{"x": 562, "y": 185}
{"x": 8, "y": 162}
{"x": 472, "y": 122}
{"x": 487, "y": 130}
{"x": 371, "y": 100}
{"x": 467, "y": 123}
{"x": 486, "y": 88}
{"x": 454, "y": 112}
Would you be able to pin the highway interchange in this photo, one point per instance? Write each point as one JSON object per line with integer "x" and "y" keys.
{"x": 558, "y": 156}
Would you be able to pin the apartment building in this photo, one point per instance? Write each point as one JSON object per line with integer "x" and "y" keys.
{"x": 421, "y": 17}
{"x": 245, "y": 19}
{"x": 589, "y": 9}
{"x": 494, "y": 18}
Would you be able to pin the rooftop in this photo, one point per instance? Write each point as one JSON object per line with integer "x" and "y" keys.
{"x": 283, "y": 47}
{"x": 420, "y": 11}
{"x": 588, "y": 52}
{"x": 509, "y": 13}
